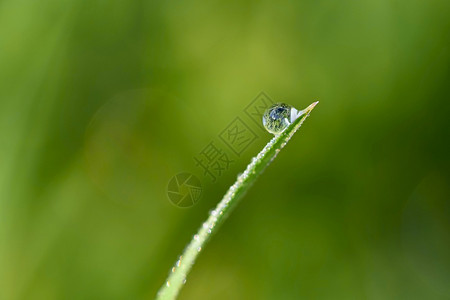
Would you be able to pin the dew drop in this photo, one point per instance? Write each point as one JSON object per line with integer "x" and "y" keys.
{"x": 168, "y": 283}
{"x": 278, "y": 117}
{"x": 196, "y": 237}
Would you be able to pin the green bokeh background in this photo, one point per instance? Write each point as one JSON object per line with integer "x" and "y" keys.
{"x": 102, "y": 102}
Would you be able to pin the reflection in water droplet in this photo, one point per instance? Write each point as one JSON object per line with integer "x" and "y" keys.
{"x": 279, "y": 116}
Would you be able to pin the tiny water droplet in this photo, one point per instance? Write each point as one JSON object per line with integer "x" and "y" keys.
{"x": 168, "y": 283}
{"x": 184, "y": 281}
{"x": 214, "y": 213}
{"x": 173, "y": 269}
{"x": 199, "y": 249}
{"x": 196, "y": 237}
{"x": 278, "y": 117}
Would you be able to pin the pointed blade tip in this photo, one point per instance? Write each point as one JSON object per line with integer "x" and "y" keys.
{"x": 313, "y": 105}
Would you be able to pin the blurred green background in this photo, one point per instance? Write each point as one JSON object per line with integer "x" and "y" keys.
{"x": 102, "y": 102}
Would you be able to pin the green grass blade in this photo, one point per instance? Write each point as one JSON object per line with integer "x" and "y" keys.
{"x": 178, "y": 274}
